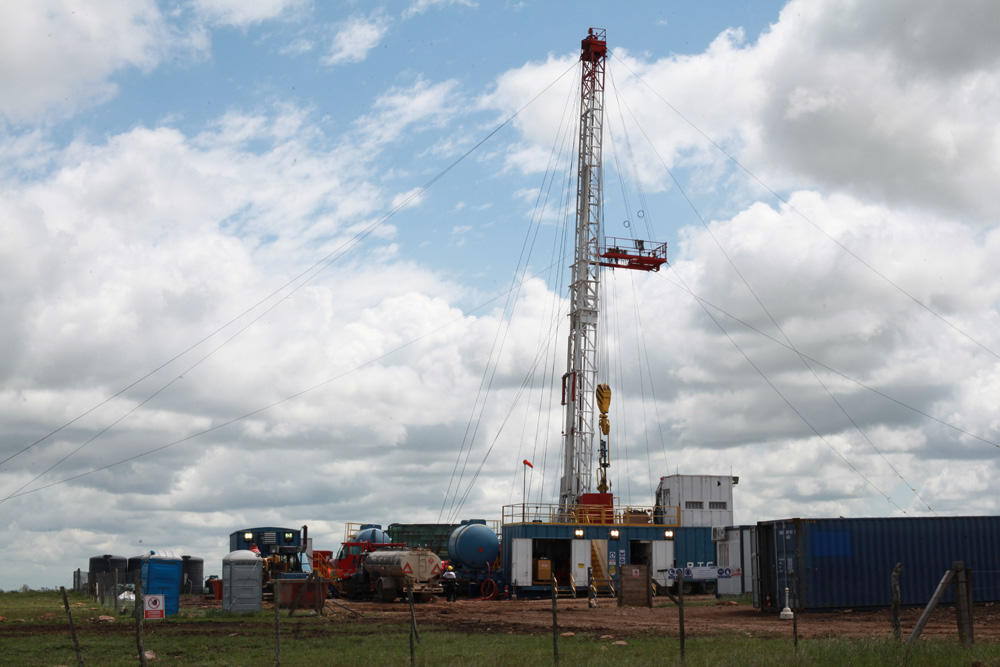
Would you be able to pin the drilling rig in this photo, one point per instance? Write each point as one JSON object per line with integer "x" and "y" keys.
{"x": 580, "y": 389}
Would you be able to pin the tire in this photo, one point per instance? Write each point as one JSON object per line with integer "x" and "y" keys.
{"x": 385, "y": 589}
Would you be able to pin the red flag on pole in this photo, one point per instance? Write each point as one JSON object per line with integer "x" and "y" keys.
{"x": 528, "y": 463}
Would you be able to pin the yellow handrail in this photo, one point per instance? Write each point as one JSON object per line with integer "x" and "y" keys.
{"x": 592, "y": 514}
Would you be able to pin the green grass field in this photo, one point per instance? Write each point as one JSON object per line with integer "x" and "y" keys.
{"x": 36, "y": 632}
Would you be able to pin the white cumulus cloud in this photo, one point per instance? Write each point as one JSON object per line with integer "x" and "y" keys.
{"x": 356, "y": 37}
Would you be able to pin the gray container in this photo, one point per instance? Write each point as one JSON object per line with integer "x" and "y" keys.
{"x": 192, "y": 575}
{"x": 242, "y": 582}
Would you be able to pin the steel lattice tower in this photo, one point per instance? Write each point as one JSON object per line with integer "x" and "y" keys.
{"x": 580, "y": 380}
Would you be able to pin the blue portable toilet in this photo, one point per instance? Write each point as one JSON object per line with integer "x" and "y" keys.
{"x": 161, "y": 575}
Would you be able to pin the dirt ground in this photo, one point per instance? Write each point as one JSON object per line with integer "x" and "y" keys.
{"x": 702, "y": 616}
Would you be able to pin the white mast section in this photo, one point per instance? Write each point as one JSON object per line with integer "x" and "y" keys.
{"x": 580, "y": 380}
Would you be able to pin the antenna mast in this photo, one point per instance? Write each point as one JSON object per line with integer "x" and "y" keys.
{"x": 580, "y": 380}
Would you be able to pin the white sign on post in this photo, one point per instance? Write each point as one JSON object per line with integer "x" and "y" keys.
{"x": 153, "y": 606}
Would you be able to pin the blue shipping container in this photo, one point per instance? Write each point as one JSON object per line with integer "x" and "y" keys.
{"x": 848, "y": 563}
{"x": 693, "y": 545}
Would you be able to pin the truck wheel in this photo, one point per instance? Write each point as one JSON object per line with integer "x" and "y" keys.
{"x": 385, "y": 589}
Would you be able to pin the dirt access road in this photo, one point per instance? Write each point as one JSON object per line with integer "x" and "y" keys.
{"x": 702, "y": 616}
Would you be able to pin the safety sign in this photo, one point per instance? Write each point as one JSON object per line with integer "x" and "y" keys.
{"x": 153, "y": 606}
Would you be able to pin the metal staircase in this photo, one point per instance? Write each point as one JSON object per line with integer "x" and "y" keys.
{"x": 567, "y": 591}
{"x": 601, "y": 583}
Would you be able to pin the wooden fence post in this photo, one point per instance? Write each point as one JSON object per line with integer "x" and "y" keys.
{"x": 931, "y": 605}
{"x": 277, "y": 624}
{"x": 72, "y": 628}
{"x": 680, "y": 607}
{"x": 140, "y": 612}
{"x": 968, "y": 597}
{"x": 413, "y": 613}
{"x": 896, "y": 631}
{"x": 963, "y": 603}
{"x": 795, "y": 614}
{"x": 555, "y": 624}
{"x": 302, "y": 590}
{"x": 413, "y": 623}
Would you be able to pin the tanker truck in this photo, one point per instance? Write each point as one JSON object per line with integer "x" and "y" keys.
{"x": 369, "y": 563}
{"x": 391, "y": 571}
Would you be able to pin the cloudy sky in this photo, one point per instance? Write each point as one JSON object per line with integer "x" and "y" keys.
{"x": 282, "y": 262}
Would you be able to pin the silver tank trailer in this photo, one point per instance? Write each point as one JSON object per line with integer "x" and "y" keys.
{"x": 390, "y": 569}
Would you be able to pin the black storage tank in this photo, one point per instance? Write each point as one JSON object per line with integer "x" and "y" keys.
{"x": 107, "y": 563}
{"x": 135, "y": 563}
{"x": 106, "y": 571}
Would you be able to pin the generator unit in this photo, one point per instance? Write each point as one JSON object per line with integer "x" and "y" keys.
{"x": 285, "y": 553}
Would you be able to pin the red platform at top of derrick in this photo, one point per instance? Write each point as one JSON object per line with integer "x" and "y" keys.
{"x": 594, "y": 46}
{"x": 619, "y": 253}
